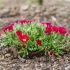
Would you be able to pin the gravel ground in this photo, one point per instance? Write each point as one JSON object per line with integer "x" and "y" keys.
{"x": 60, "y": 16}
{"x": 40, "y": 63}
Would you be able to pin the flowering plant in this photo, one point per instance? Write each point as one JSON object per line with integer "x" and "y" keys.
{"x": 29, "y": 37}
{"x": 57, "y": 37}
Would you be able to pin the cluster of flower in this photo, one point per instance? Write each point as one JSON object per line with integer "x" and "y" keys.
{"x": 49, "y": 28}
{"x": 24, "y": 37}
{"x": 11, "y": 25}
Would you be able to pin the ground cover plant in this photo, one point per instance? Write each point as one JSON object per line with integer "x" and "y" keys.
{"x": 34, "y": 37}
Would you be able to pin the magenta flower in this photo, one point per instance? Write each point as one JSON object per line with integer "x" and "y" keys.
{"x": 17, "y": 21}
{"x": 51, "y": 53}
{"x": 19, "y": 32}
{"x": 49, "y": 24}
{"x": 62, "y": 30}
{"x": 46, "y": 24}
{"x": 55, "y": 29}
{"x": 24, "y": 46}
{"x": 8, "y": 28}
{"x": 38, "y": 42}
{"x": 23, "y": 21}
{"x": 48, "y": 30}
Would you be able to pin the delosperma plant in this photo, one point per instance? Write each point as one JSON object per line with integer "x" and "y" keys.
{"x": 29, "y": 36}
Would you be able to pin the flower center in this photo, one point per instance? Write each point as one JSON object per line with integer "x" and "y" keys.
{"x": 24, "y": 39}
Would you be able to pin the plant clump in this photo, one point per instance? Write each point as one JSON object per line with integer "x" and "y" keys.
{"x": 30, "y": 36}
